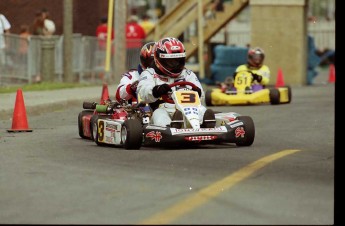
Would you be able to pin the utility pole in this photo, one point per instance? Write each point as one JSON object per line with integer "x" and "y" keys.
{"x": 120, "y": 39}
{"x": 201, "y": 41}
{"x": 68, "y": 41}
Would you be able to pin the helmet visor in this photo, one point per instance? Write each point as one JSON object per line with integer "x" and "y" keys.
{"x": 256, "y": 59}
{"x": 173, "y": 62}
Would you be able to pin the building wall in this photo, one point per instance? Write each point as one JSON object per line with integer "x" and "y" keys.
{"x": 279, "y": 27}
{"x": 86, "y": 13}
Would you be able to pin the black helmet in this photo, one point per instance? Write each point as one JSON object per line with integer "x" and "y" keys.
{"x": 146, "y": 55}
{"x": 256, "y": 57}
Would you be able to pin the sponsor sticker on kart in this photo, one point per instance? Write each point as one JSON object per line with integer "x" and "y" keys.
{"x": 221, "y": 129}
{"x": 154, "y": 135}
{"x": 240, "y": 132}
{"x": 234, "y": 124}
{"x": 156, "y": 127}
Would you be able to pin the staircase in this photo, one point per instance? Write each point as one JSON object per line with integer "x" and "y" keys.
{"x": 185, "y": 12}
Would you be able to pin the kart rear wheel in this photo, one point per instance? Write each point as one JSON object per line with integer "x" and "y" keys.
{"x": 274, "y": 96}
{"x": 132, "y": 134}
{"x": 80, "y": 122}
{"x": 208, "y": 98}
{"x": 249, "y": 129}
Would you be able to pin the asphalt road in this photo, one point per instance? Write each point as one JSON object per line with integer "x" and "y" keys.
{"x": 52, "y": 176}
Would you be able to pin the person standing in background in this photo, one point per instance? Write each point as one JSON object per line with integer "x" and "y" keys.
{"x": 49, "y": 25}
{"x": 147, "y": 24}
{"x": 42, "y": 25}
{"x": 102, "y": 33}
{"x": 135, "y": 36}
{"x": 24, "y": 42}
{"x": 38, "y": 24}
{"x": 4, "y": 29}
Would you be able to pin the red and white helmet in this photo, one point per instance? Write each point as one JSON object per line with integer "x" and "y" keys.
{"x": 256, "y": 57}
{"x": 170, "y": 56}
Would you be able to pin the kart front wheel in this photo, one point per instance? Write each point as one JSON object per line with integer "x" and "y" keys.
{"x": 249, "y": 128}
{"x": 274, "y": 96}
{"x": 132, "y": 134}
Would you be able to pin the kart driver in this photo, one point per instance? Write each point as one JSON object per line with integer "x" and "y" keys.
{"x": 255, "y": 60}
{"x": 126, "y": 90}
{"x": 169, "y": 67}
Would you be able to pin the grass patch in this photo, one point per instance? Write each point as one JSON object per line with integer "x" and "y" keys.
{"x": 41, "y": 87}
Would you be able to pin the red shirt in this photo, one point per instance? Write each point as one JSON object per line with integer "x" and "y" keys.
{"x": 135, "y": 35}
{"x": 102, "y": 33}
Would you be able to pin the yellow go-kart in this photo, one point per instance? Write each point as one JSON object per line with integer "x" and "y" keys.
{"x": 242, "y": 91}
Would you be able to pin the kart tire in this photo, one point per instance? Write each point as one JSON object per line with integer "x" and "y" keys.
{"x": 80, "y": 123}
{"x": 250, "y": 131}
{"x": 94, "y": 126}
{"x": 132, "y": 134}
{"x": 209, "y": 120}
{"x": 208, "y": 98}
{"x": 177, "y": 116}
{"x": 274, "y": 96}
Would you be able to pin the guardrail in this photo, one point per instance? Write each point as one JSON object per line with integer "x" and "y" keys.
{"x": 23, "y": 57}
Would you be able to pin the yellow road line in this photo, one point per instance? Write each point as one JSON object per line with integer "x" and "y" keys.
{"x": 187, "y": 205}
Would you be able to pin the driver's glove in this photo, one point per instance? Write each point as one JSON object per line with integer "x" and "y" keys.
{"x": 132, "y": 88}
{"x": 160, "y": 90}
{"x": 197, "y": 89}
{"x": 257, "y": 77}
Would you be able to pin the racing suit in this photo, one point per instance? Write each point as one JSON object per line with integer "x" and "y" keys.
{"x": 162, "y": 112}
{"x": 263, "y": 71}
{"x": 127, "y": 86}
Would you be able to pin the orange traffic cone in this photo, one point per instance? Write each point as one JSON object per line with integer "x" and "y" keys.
{"x": 105, "y": 93}
{"x": 19, "y": 119}
{"x": 331, "y": 76}
{"x": 280, "y": 78}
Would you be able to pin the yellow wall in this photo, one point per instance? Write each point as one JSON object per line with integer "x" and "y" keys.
{"x": 279, "y": 27}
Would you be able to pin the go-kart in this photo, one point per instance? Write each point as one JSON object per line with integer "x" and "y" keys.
{"x": 242, "y": 91}
{"x": 215, "y": 128}
{"x": 108, "y": 109}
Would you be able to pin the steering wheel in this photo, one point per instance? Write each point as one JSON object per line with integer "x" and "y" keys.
{"x": 168, "y": 99}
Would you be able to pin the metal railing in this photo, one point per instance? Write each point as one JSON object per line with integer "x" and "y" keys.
{"x": 23, "y": 59}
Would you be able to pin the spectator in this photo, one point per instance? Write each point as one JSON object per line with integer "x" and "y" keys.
{"x": 4, "y": 29}
{"x": 147, "y": 24}
{"x": 42, "y": 25}
{"x": 24, "y": 42}
{"x": 38, "y": 24}
{"x": 102, "y": 33}
{"x": 49, "y": 25}
{"x": 135, "y": 35}
{"x": 216, "y": 6}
